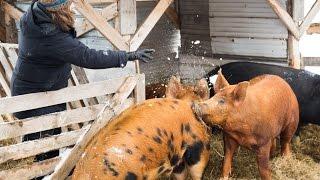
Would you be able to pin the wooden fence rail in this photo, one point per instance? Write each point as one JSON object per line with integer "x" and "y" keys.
{"x": 120, "y": 87}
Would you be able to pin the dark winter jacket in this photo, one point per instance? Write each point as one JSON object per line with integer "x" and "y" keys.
{"x": 46, "y": 54}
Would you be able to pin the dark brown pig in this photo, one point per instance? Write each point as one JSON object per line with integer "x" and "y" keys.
{"x": 159, "y": 136}
{"x": 252, "y": 114}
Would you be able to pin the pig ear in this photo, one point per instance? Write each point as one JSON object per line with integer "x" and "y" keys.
{"x": 240, "y": 92}
{"x": 174, "y": 87}
{"x": 221, "y": 82}
{"x": 202, "y": 89}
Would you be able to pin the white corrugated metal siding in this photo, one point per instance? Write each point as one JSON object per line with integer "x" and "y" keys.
{"x": 247, "y": 28}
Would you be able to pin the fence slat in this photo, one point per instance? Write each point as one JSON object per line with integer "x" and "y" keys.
{"x": 43, "y": 99}
{"x": 30, "y": 171}
{"x": 27, "y": 149}
{"x": 51, "y": 121}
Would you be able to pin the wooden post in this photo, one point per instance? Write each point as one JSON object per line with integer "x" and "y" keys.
{"x": 293, "y": 43}
{"x": 128, "y": 16}
{"x": 101, "y": 24}
{"x": 140, "y": 90}
{"x": 108, "y": 12}
{"x": 285, "y": 18}
{"x": 10, "y": 26}
{"x": 149, "y": 23}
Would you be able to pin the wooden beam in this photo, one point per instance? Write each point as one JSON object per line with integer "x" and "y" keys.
{"x": 37, "y": 169}
{"x": 285, "y": 18}
{"x": 110, "y": 110}
{"x": 101, "y": 24}
{"x": 140, "y": 90}
{"x": 27, "y": 149}
{"x": 5, "y": 61}
{"x": 310, "y": 16}
{"x": 128, "y": 16}
{"x": 12, "y": 56}
{"x": 12, "y": 11}
{"x": 108, "y": 13}
{"x": 82, "y": 78}
{"x": 49, "y": 121}
{"x": 293, "y": 43}
{"x": 44, "y": 99}
{"x": 173, "y": 16}
{"x": 4, "y": 81}
{"x": 149, "y": 23}
{"x": 9, "y": 45}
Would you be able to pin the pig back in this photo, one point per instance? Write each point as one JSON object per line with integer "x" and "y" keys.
{"x": 137, "y": 140}
{"x": 273, "y": 101}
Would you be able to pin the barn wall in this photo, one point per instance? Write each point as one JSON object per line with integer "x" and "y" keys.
{"x": 164, "y": 38}
{"x": 232, "y": 27}
{"x": 195, "y": 33}
{"x": 247, "y": 28}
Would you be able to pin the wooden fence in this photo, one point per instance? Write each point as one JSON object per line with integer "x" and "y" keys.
{"x": 83, "y": 108}
{"x": 8, "y": 58}
{"x": 17, "y": 128}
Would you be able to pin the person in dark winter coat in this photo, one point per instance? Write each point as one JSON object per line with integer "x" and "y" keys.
{"x": 47, "y": 48}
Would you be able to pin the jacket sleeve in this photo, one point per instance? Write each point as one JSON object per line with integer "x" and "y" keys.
{"x": 73, "y": 51}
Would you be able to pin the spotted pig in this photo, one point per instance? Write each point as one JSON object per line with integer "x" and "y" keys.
{"x": 252, "y": 114}
{"x": 157, "y": 137}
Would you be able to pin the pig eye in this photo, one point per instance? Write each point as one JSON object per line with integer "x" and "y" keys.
{"x": 221, "y": 101}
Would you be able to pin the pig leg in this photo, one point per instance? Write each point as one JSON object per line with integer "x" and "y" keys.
{"x": 180, "y": 171}
{"x": 287, "y": 134}
{"x": 197, "y": 169}
{"x": 230, "y": 145}
{"x": 273, "y": 146}
{"x": 263, "y": 155}
{"x": 285, "y": 139}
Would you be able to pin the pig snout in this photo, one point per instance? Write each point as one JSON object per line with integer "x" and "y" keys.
{"x": 200, "y": 110}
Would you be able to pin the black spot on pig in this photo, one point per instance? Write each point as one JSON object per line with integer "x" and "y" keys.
{"x": 129, "y": 151}
{"x": 170, "y": 145}
{"x": 165, "y": 132}
{"x": 150, "y": 150}
{"x": 193, "y": 153}
{"x": 139, "y": 130}
{"x": 143, "y": 158}
{"x": 157, "y": 139}
{"x": 159, "y": 132}
{"x": 181, "y": 129}
{"x": 187, "y": 127}
{"x": 174, "y": 160}
{"x": 193, "y": 136}
{"x": 131, "y": 176}
{"x": 179, "y": 169}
